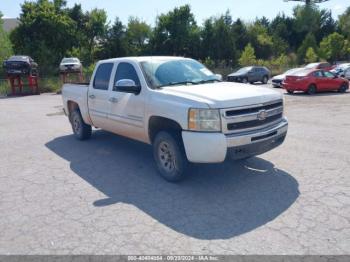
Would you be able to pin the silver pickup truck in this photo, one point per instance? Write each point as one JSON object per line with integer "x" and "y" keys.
{"x": 180, "y": 107}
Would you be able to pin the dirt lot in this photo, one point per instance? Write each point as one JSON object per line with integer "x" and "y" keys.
{"x": 103, "y": 196}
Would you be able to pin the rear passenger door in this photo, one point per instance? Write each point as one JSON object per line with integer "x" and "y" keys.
{"x": 98, "y": 95}
{"x": 320, "y": 80}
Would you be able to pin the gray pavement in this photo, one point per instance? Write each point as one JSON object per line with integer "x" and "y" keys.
{"x": 103, "y": 196}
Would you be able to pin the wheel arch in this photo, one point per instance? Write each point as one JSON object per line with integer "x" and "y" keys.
{"x": 159, "y": 123}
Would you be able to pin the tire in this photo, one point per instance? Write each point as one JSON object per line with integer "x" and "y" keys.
{"x": 343, "y": 88}
{"x": 290, "y": 92}
{"x": 245, "y": 80}
{"x": 169, "y": 155}
{"x": 312, "y": 89}
{"x": 81, "y": 130}
{"x": 265, "y": 80}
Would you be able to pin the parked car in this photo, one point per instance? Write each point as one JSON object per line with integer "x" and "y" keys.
{"x": 312, "y": 81}
{"x": 340, "y": 69}
{"x": 320, "y": 65}
{"x": 250, "y": 74}
{"x": 277, "y": 80}
{"x": 20, "y": 65}
{"x": 347, "y": 73}
{"x": 178, "y": 106}
{"x": 70, "y": 64}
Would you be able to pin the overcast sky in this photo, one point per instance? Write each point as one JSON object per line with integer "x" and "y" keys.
{"x": 149, "y": 9}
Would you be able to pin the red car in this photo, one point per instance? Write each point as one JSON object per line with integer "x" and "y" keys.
{"x": 312, "y": 81}
{"x": 320, "y": 65}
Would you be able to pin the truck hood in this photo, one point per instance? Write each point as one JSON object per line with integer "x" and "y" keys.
{"x": 224, "y": 94}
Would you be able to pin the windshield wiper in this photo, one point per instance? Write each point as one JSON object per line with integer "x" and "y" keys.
{"x": 178, "y": 83}
{"x": 208, "y": 81}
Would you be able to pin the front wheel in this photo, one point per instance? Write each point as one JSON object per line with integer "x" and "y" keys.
{"x": 169, "y": 156}
{"x": 81, "y": 130}
{"x": 290, "y": 91}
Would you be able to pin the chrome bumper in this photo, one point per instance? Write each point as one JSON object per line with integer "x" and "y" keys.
{"x": 256, "y": 143}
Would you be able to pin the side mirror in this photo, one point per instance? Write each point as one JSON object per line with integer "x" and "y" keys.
{"x": 127, "y": 86}
{"x": 218, "y": 77}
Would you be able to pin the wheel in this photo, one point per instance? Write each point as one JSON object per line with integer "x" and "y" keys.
{"x": 245, "y": 80}
{"x": 265, "y": 80}
{"x": 169, "y": 156}
{"x": 290, "y": 91}
{"x": 343, "y": 88}
{"x": 81, "y": 130}
{"x": 311, "y": 90}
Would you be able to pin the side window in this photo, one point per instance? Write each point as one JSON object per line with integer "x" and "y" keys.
{"x": 328, "y": 74}
{"x": 102, "y": 76}
{"x": 318, "y": 74}
{"x": 126, "y": 71}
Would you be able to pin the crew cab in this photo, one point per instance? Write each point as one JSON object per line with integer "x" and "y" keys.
{"x": 180, "y": 107}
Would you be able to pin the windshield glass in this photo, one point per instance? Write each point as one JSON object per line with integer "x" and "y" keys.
{"x": 70, "y": 60}
{"x": 160, "y": 73}
{"x": 244, "y": 70}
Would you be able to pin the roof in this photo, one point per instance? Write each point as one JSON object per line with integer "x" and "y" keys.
{"x": 10, "y": 23}
{"x": 144, "y": 58}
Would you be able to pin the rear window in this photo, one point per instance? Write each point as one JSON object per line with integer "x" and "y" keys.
{"x": 102, "y": 76}
{"x": 301, "y": 73}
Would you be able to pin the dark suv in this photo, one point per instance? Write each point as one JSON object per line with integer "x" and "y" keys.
{"x": 250, "y": 74}
{"x": 20, "y": 65}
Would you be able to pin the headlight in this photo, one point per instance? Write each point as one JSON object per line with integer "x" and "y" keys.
{"x": 206, "y": 120}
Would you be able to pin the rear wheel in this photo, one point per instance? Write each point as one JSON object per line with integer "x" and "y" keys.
{"x": 170, "y": 156}
{"x": 81, "y": 130}
{"x": 290, "y": 91}
{"x": 343, "y": 88}
{"x": 312, "y": 90}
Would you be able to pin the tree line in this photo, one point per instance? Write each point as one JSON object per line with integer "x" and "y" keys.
{"x": 49, "y": 31}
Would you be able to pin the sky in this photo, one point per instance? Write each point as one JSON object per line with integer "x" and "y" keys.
{"x": 148, "y": 10}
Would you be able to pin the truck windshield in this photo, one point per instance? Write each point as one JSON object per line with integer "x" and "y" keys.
{"x": 161, "y": 73}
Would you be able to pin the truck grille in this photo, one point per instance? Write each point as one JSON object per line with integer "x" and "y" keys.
{"x": 253, "y": 117}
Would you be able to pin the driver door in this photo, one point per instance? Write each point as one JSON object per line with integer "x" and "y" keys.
{"x": 126, "y": 110}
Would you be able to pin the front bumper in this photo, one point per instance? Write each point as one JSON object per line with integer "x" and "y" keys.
{"x": 216, "y": 147}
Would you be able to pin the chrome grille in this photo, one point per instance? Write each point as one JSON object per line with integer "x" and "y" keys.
{"x": 252, "y": 117}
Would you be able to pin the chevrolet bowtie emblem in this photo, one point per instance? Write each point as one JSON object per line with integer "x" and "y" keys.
{"x": 262, "y": 115}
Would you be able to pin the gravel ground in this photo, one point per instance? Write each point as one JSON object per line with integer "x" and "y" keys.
{"x": 103, "y": 196}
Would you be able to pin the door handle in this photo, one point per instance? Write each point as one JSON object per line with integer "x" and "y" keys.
{"x": 92, "y": 96}
{"x": 113, "y": 100}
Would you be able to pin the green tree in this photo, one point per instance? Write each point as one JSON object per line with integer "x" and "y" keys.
{"x": 308, "y": 42}
{"x": 260, "y": 40}
{"x": 311, "y": 55}
{"x": 344, "y": 23}
{"x": 115, "y": 43}
{"x": 5, "y": 44}
{"x": 45, "y": 32}
{"x": 334, "y": 47}
{"x": 138, "y": 34}
{"x": 95, "y": 30}
{"x": 219, "y": 28}
{"x": 176, "y": 33}
{"x": 248, "y": 56}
